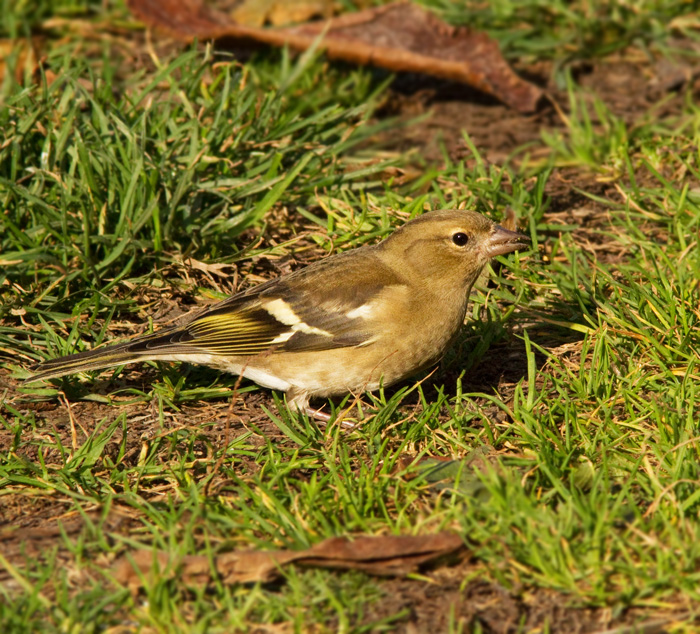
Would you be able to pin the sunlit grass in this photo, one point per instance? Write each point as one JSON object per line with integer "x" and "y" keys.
{"x": 565, "y": 416}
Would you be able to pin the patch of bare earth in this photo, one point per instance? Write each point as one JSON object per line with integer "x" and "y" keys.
{"x": 446, "y": 602}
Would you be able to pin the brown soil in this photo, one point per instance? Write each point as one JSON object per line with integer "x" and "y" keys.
{"x": 33, "y": 524}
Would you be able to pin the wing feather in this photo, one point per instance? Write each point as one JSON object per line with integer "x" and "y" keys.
{"x": 301, "y": 312}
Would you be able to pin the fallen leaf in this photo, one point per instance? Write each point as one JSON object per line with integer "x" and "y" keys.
{"x": 24, "y": 55}
{"x": 214, "y": 269}
{"x": 510, "y": 220}
{"x": 278, "y": 12}
{"x": 387, "y": 555}
{"x": 401, "y": 37}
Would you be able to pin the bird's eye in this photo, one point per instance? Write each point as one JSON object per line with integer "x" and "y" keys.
{"x": 460, "y": 239}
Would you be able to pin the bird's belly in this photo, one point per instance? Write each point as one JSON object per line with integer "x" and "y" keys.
{"x": 349, "y": 370}
{"x": 245, "y": 367}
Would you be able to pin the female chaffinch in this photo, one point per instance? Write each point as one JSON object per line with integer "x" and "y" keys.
{"x": 348, "y": 323}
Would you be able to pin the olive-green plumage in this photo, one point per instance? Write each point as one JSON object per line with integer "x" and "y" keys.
{"x": 348, "y": 323}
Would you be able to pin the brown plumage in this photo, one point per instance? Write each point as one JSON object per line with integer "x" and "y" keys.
{"x": 348, "y": 323}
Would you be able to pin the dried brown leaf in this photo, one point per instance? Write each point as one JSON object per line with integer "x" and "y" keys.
{"x": 279, "y": 12}
{"x": 510, "y": 220}
{"x": 399, "y": 37}
{"x": 26, "y": 55}
{"x": 384, "y": 556}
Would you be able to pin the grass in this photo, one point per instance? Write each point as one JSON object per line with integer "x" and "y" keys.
{"x": 567, "y": 32}
{"x": 136, "y": 188}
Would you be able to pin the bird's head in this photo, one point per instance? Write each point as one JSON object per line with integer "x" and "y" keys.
{"x": 451, "y": 245}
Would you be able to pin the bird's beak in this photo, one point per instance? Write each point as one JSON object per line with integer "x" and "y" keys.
{"x": 503, "y": 241}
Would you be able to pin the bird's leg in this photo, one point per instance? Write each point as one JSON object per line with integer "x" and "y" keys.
{"x": 324, "y": 418}
{"x": 317, "y": 414}
{"x": 300, "y": 401}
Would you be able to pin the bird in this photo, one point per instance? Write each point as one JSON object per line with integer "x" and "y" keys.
{"x": 346, "y": 324}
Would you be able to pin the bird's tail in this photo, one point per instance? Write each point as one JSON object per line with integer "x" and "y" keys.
{"x": 139, "y": 349}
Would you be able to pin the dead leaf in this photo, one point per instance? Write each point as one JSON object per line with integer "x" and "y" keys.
{"x": 215, "y": 269}
{"x": 401, "y": 37}
{"x": 509, "y": 221}
{"x": 26, "y": 57}
{"x": 279, "y": 12}
{"x": 388, "y": 555}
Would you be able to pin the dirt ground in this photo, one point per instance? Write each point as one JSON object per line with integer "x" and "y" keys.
{"x": 628, "y": 83}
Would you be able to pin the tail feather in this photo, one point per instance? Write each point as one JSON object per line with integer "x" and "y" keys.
{"x": 143, "y": 348}
{"x": 99, "y": 359}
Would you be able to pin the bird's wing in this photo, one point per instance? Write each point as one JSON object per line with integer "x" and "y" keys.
{"x": 321, "y": 307}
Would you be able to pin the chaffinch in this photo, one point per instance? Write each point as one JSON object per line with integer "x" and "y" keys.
{"x": 346, "y": 324}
